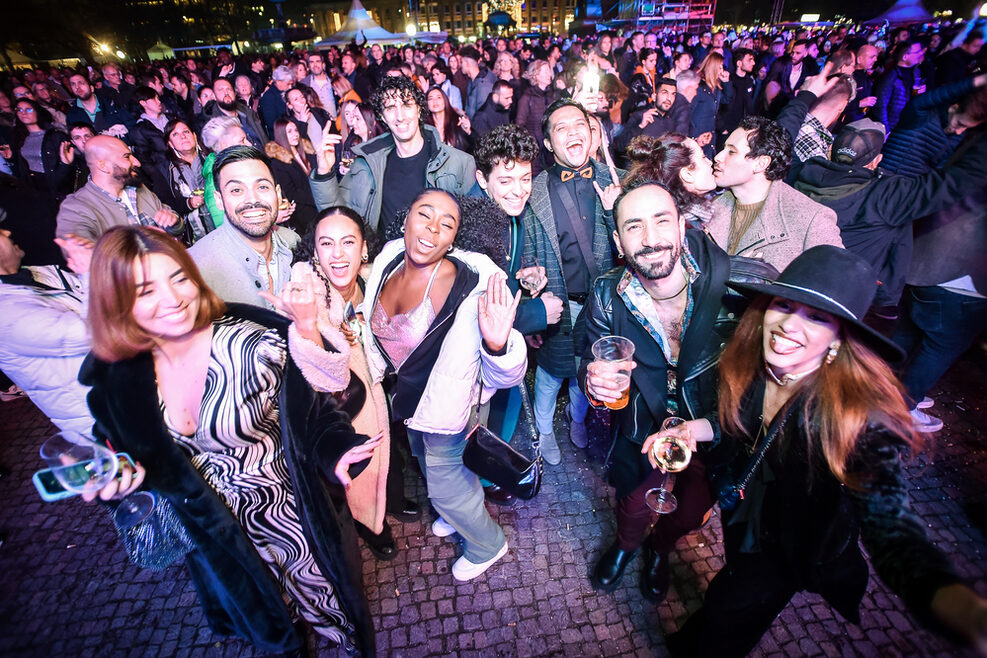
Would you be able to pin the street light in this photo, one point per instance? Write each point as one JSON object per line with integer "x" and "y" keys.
{"x": 411, "y": 29}
{"x": 120, "y": 54}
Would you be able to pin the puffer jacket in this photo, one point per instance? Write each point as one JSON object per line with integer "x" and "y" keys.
{"x": 43, "y": 342}
{"x": 362, "y": 187}
{"x": 444, "y": 389}
{"x": 893, "y": 91}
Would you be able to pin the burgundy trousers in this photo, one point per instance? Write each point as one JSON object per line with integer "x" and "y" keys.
{"x": 634, "y": 517}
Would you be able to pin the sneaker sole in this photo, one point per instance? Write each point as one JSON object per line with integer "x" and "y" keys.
{"x": 929, "y": 429}
{"x": 926, "y": 403}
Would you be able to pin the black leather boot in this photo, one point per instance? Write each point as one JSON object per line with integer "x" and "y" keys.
{"x": 611, "y": 567}
{"x": 405, "y": 510}
{"x": 498, "y": 496}
{"x": 655, "y": 575}
{"x": 382, "y": 545}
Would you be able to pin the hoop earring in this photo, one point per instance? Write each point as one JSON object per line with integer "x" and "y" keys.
{"x": 363, "y": 258}
{"x": 834, "y": 349}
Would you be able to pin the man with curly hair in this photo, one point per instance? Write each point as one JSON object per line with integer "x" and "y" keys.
{"x": 759, "y": 215}
{"x": 503, "y": 174}
{"x": 390, "y": 170}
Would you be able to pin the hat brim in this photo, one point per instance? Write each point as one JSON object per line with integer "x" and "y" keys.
{"x": 885, "y": 347}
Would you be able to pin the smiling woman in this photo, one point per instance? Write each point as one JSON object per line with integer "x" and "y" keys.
{"x": 198, "y": 393}
{"x": 438, "y": 317}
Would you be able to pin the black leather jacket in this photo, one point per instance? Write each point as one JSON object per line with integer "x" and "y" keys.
{"x": 713, "y": 320}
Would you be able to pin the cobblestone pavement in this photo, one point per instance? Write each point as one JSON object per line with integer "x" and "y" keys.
{"x": 66, "y": 588}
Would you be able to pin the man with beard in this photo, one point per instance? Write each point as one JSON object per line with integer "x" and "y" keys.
{"x": 100, "y": 113}
{"x": 667, "y": 301}
{"x": 321, "y": 82}
{"x": 243, "y": 257}
{"x": 226, "y": 104}
{"x": 566, "y": 229}
{"x": 113, "y": 196}
{"x": 664, "y": 117}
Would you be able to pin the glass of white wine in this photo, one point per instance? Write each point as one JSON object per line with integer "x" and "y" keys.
{"x": 80, "y": 464}
{"x": 530, "y": 279}
{"x": 672, "y": 453}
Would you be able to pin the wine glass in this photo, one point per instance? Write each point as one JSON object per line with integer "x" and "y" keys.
{"x": 671, "y": 451}
{"x": 532, "y": 281}
{"x": 79, "y": 464}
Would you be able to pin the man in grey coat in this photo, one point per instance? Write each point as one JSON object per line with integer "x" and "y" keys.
{"x": 243, "y": 257}
{"x": 759, "y": 215}
{"x": 389, "y": 171}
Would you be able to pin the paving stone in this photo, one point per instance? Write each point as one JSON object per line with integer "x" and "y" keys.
{"x": 62, "y": 562}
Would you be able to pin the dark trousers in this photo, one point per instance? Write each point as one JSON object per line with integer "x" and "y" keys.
{"x": 634, "y": 517}
{"x": 741, "y": 603}
{"x": 936, "y": 327}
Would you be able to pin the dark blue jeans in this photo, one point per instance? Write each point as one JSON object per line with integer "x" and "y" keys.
{"x": 936, "y": 327}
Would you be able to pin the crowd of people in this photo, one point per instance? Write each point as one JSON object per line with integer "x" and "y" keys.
{"x": 273, "y": 280}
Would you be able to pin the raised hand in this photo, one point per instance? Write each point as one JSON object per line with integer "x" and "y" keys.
{"x": 66, "y": 153}
{"x": 608, "y": 196}
{"x": 78, "y": 252}
{"x": 325, "y": 153}
{"x": 821, "y": 83}
{"x": 496, "y": 312}
{"x": 297, "y": 302}
{"x": 648, "y": 117}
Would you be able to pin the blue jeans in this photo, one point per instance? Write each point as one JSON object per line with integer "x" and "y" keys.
{"x": 936, "y": 327}
{"x": 455, "y": 492}
{"x": 547, "y": 388}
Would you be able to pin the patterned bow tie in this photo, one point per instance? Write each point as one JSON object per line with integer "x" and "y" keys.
{"x": 568, "y": 174}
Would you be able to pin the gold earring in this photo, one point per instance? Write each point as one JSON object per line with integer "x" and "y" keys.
{"x": 834, "y": 349}
{"x": 364, "y": 258}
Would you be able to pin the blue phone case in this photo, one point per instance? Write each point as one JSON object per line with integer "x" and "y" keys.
{"x": 51, "y": 489}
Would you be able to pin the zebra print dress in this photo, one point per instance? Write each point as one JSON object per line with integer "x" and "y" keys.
{"x": 237, "y": 449}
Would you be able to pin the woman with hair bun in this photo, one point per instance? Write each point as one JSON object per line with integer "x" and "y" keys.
{"x": 679, "y": 164}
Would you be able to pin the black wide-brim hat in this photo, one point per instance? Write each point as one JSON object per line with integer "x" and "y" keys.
{"x": 836, "y": 281}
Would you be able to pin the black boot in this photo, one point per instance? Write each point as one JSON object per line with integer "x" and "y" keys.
{"x": 611, "y": 567}
{"x": 382, "y": 545}
{"x": 498, "y": 496}
{"x": 655, "y": 575}
{"x": 405, "y": 510}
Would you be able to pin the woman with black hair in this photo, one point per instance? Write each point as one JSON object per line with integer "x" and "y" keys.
{"x": 359, "y": 125}
{"x": 441, "y": 320}
{"x": 292, "y": 159}
{"x": 332, "y": 260}
{"x": 451, "y": 126}
{"x": 44, "y": 152}
{"x": 678, "y": 163}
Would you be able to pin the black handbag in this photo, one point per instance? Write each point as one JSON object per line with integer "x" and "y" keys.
{"x": 493, "y": 459}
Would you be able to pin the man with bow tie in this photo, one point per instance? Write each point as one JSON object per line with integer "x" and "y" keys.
{"x": 567, "y": 229}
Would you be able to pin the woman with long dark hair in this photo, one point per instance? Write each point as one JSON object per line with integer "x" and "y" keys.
{"x": 309, "y": 119}
{"x": 679, "y": 164}
{"x": 292, "y": 159}
{"x": 45, "y": 152}
{"x": 451, "y": 126}
{"x": 208, "y": 399}
{"x": 441, "y": 320}
{"x": 814, "y": 425}
{"x": 359, "y": 125}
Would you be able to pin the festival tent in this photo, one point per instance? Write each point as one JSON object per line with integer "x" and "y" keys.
{"x": 903, "y": 12}
{"x": 362, "y": 28}
{"x": 160, "y": 51}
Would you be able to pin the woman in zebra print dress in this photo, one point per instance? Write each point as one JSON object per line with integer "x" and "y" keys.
{"x": 219, "y": 392}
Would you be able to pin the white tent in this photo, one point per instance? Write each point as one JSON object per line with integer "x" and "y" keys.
{"x": 160, "y": 51}
{"x": 362, "y": 28}
{"x": 903, "y": 12}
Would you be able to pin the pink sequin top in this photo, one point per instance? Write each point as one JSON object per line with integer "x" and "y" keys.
{"x": 400, "y": 334}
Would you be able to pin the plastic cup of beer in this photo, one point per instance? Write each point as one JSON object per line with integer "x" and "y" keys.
{"x": 617, "y": 353}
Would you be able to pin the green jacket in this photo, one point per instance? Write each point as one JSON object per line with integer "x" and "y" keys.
{"x": 449, "y": 169}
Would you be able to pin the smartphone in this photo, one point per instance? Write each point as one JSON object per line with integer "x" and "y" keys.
{"x": 51, "y": 489}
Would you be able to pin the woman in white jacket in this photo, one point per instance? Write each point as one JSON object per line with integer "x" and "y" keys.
{"x": 441, "y": 320}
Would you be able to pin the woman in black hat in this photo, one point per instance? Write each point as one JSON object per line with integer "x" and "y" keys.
{"x": 813, "y": 423}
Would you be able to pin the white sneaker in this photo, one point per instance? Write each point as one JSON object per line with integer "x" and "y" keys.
{"x": 923, "y": 422}
{"x": 926, "y": 403}
{"x": 550, "y": 449}
{"x": 463, "y": 569}
{"x": 441, "y": 528}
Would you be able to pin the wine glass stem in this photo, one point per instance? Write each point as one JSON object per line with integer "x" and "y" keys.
{"x": 669, "y": 482}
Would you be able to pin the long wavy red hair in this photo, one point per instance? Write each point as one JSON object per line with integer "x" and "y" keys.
{"x": 842, "y": 397}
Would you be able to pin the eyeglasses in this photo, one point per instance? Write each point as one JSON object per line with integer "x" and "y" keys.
{"x": 25, "y": 110}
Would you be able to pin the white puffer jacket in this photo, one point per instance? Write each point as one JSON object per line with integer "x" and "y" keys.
{"x": 43, "y": 341}
{"x": 455, "y": 383}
